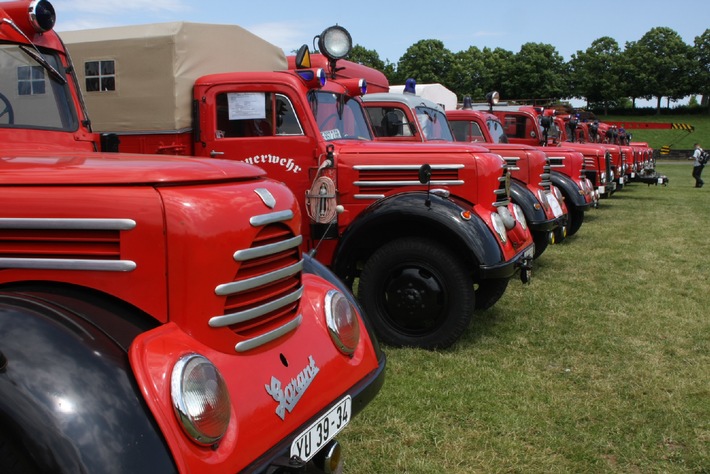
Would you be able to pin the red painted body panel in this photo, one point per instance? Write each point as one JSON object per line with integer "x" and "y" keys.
{"x": 160, "y": 235}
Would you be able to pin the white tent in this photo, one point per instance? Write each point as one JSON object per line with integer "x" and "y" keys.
{"x": 434, "y": 92}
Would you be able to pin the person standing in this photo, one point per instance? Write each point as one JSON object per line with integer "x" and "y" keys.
{"x": 698, "y": 166}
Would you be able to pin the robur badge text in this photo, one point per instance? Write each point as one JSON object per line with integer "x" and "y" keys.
{"x": 291, "y": 394}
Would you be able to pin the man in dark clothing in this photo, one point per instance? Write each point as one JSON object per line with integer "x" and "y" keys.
{"x": 698, "y": 166}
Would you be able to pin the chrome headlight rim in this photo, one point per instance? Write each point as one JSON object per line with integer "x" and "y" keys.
{"x": 499, "y": 227}
{"x": 189, "y": 389}
{"x": 338, "y": 306}
{"x": 520, "y": 216}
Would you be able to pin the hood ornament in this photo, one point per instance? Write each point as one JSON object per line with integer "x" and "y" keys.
{"x": 266, "y": 197}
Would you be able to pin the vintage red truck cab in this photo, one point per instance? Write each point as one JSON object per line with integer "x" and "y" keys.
{"x": 566, "y": 167}
{"x": 641, "y": 164}
{"x": 157, "y": 313}
{"x": 523, "y": 124}
{"x": 568, "y": 131}
{"x": 421, "y": 257}
{"x": 407, "y": 117}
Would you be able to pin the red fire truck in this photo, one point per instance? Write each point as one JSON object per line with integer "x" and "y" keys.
{"x": 566, "y": 167}
{"x": 422, "y": 233}
{"x": 407, "y": 117}
{"x": 156, "y": 312}
{"x": 525, "y": 124}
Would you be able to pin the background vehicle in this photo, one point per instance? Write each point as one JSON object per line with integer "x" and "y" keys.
{"x": 422, "y": 257}
{"x": 566, "y": 167}
{"x": 407, "y": 117}
{"x": 156, "y": 312}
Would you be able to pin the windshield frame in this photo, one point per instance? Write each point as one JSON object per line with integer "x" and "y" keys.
{"x": 339, "y": 116}
{"x": 38, "y": 98}
{"x": 434, "y": 124}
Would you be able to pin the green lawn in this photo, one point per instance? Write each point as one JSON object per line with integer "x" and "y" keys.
{"x": 601, "y": 364}
{"x": 678, "y": 139}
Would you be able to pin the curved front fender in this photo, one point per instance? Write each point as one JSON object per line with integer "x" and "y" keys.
{"x": 422, "y": 214}
{"x": 67, "y": 394}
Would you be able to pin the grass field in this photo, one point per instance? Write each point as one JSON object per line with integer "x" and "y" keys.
{"x": 678, "y": 139}
{"x": 601, "y": 364}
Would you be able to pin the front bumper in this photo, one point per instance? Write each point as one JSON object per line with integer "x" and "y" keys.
{"x": 277, "y": 458}
{"x": 522, "y": 262}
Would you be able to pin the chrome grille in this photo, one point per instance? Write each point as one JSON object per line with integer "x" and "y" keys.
{"x": 374, "y": 181}
{"x": 64, "y": 244}
{"x": 545, "y": 176}
{"x": 263, "y": 299}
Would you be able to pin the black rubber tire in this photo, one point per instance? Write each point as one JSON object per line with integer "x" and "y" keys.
{"x": 417, "y": 293}
{"x": 489, "y": 292}
{"x": 542, "y": 240}
{"x": 575, "y": 217}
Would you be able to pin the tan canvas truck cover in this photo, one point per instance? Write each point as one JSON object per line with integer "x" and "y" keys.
{"x": 155, "y": 67}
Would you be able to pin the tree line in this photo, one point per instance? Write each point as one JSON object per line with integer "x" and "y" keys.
{"x": 658, "y": 65}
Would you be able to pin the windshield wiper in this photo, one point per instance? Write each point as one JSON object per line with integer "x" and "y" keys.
{"x": 35, "y": 54}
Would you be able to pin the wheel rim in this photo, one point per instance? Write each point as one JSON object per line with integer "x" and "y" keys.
{"x": 414, "y": 300}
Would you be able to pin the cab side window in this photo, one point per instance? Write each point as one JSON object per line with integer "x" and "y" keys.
{"x": 255, "y": 114}
{"x": 286, "y": 120}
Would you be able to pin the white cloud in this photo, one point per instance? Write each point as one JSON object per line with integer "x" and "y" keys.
{"x": 286, "y": 35}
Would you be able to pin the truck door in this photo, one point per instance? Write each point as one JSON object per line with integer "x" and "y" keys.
{"x": 262, "y": 127}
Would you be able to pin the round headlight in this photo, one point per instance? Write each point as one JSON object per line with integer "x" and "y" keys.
{"x": 343, "y": 324}
{"x": 542, "y": 197}
{"x": 520, "y": 216}
{"x": 558, "y": 194}
{"x": 42, "y": 15}
{"x": 499, "y": 227}
{"x": 507, "y": 216}
{"x": 335, "y": 42}
{"x": 200, "y": 399}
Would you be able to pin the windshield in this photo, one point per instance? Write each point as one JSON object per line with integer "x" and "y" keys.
{"x": 339, "y": 116}
{"x": 497, "y": 133}
{"x": 30, "y": 97}
{"x": 434, "y": 124}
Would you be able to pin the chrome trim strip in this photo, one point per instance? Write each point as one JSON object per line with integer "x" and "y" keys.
{"x": 251, "y": 283}
{"x": 68, "y": 264}
{"x": 272, "y": 217}
{"x": 407, "y": 183}
{"x": 269, "y": 336}
{"x": 270, "y": 249}
{"x": 369, "y": 196}
{"x": 452, "y": 166}
{"x": 234, "y": 318}
{"x": 67, "y": 224}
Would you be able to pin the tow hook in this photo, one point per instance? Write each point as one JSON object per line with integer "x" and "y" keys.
{"x": 526, "y": 270}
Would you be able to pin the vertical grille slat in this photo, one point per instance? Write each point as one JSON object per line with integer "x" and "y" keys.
{"x": 263, "y": 298}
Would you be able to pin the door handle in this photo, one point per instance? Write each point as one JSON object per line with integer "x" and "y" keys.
{"x": 216, "y": 153}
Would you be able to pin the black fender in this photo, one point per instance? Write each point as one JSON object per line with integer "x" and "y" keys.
{"x": 67, "y": 394}
{"x": 313, "y": 266}
{"x": 526, "y": 199}
{"x": 422, "y": 214}
{"x": 570, "y": 190}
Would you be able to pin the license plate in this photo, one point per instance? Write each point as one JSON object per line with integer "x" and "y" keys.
{"x": 307, "y": 444}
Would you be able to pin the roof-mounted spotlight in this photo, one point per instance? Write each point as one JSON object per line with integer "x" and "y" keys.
{"x": 37, "y": 16}
{"x": 335, "y": 43}
{"x": 492, "y": 98}
{"x": 42, "y": 15}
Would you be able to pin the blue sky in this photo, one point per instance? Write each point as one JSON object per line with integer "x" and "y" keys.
{"x": 391, "y": 27}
